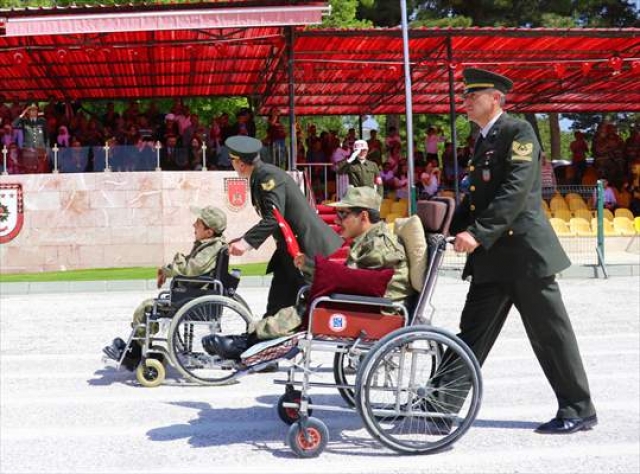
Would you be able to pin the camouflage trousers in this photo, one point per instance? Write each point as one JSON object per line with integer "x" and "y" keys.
{"x": 283, "y": 323}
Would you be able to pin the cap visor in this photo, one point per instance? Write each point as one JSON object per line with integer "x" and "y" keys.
{"x": 339, "y": 204}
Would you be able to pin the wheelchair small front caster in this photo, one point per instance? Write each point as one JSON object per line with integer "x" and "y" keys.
{"x": 150, "y": 373}
{"x": 287, "y": 414}
{"x": 310, "y": 441}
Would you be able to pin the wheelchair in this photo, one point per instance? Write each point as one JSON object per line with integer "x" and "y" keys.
{"x": 404, "y": 377}
{"x": 178, "y": 319}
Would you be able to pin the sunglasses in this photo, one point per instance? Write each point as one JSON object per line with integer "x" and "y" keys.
{"x": 344, "y": 214}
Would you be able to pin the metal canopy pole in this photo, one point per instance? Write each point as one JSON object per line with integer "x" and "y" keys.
{"x": 292, "y": 114}
{"x": 452, "y": 119}
{"x": 409, "y": 110}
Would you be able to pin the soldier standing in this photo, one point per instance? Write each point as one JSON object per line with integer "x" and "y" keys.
{"x": 272, "y": 187}
{"x": 513, "y": 253}
{"x": 34, "y": 132}
{"x": 361, "y": 171}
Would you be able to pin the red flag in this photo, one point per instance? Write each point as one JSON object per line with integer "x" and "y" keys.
{"x": 292, "y": 243}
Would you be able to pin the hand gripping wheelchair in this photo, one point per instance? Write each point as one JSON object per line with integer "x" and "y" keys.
{"x": 178, "y": 319}
{"x": 417, "y": 388}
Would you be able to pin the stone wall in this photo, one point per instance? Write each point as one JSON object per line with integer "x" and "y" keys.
{"x": 106, "y": 220}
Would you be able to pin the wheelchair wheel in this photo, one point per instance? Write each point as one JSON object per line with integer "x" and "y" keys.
{"x": 290, "y": 415}
{"x": 201, "y": 317}
{"x": 412, "y": 400}
{"x": 344, "y": 373}
{"x": 150, "y": 373}
{"x": 308, "y": 442}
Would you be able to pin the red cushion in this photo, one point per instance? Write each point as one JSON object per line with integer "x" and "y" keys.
{"x": 324, "y": 209}
{"x": 331, "y": 277}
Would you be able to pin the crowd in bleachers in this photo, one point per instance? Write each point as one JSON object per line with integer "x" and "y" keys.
{"x": 140, "y": 138}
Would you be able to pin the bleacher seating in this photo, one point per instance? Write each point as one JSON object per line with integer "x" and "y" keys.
{"x": 561, "y": 227}
{"x": 607, "y": 228}
{"x": 636, "y": 224}
{"x": 624, "y": 212}
{"x": 585, "y": 214}
{"x": 581, "y": 227}
{"x": 563, "y": 214}
{"x": 623, "y": 226}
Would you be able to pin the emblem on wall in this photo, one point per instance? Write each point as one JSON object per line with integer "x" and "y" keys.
{"x": 236, "y": 192}
{"x": 11, "y": 211}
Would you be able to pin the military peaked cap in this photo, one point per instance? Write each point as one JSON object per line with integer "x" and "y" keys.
{"x": 364, "y": 197}
{"x": 479, "y": 79}
{"x": 243, "y": 148}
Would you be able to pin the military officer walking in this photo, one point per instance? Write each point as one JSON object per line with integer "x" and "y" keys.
{"x": 272, "y": 187}
{"x": 513, "y": 253}
{"x": 361, "y": 172}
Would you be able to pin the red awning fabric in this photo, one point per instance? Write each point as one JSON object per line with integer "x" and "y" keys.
{"x": 336, "y": 72}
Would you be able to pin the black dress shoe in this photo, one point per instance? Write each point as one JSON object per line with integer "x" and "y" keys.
{"x": 114, "y": 351}
{"x": 227, "y": 347}
{"x": 567, "y": 425}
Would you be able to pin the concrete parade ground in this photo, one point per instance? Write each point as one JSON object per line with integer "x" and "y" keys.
{"x": 64, "y": 411}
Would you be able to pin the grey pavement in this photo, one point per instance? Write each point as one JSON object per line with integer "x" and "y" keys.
{"x": 63, "y": 411}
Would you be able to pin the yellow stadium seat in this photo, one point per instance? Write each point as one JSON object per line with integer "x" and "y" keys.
{"x": 557, "y": 203}
{"x": 581, "y": 227}
{"x": 391, "y": 217}
{"x": 607, "y": 226}
{"x": 547, "y": 213}
{"x": 623, "y": 226}
{"x": 577, "y": 203}
{"x": 624, "y": 212}
{"x": 447, "y": 193}
{"x": 636, "y": 224}
{"x": 385, "y": 208}
{"x": 563, "y": 214}
{"x": 561, "y": 227}
{"x": 401, "y": 208}
{"x": 608, "y": 215}
{"x": 545, "y": 206}
{"x": 391, "y": 195}
{"x": 585, "y": 214}
{"x": 569, "y": 196}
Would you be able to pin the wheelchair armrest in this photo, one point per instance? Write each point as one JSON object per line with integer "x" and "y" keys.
{"x": 194, "y": 279}
{"x": 372, "y": 300}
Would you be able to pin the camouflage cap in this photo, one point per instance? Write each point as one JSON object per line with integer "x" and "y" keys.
{"x": 363, "y": 196}
{"x": 243, "y": 148}
{"x": 213, "y": 217}
{"x": 479, "y": 79}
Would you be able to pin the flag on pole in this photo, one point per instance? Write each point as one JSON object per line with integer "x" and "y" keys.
{"x": 289, "y": 237}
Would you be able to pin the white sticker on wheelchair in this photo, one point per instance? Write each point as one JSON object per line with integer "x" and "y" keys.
{"x": 338, "y": 322}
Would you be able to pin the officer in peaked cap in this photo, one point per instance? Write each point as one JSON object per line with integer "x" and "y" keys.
{"x": 33, "y": 127}
{"x": 513, "y": 254}
{"x": 272, "y": 187}
{"x": 480, "y": 79}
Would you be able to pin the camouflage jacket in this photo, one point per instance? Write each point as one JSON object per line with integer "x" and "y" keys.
{"x": 377, "y": 248}
{"x": 201, "y": 260}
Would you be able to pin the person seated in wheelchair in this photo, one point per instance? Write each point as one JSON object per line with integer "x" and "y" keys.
{"x": 372, "y": 247}
{"x": 208, "y": 230}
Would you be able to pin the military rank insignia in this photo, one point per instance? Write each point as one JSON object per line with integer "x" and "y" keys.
{"x": 268, "y": 185}
{"x": 522, "y": 151}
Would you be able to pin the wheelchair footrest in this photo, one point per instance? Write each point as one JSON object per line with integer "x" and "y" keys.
{"x": 272, "y": 349}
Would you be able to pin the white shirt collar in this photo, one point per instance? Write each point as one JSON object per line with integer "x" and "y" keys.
{"x": 485, "y": 130}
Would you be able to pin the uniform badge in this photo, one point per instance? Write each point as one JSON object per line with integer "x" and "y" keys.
{"x": 486, "y": 174}
{"x": 11, "y": 211}
{"x": 236, "y": 193}
{"x": 268, "y": 185}
{"x": 522, "y": 149}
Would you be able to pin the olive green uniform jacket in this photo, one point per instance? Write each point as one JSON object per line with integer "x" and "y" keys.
{"x": 503, "y": 209}
{"x": 361, "y": 173}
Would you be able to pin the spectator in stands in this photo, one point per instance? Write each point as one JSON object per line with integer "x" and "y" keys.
{"x": 431, "y": 140}
{"x": 394, "y": 156}
{"x": 375, "y": 148}
{"x": 393, "y": 139}
{"x": 196, "y": 154}
{"x": 401, "y": 181}
{"x": 448, "y": 166}
{"x": 351, "y": 138}
{"x": 64, "y": 137}
{"x": 277, "y": 135}
{"x": 632, "y": 146}
{"x": 547, "y": 177}
{"x": 579, "y": 149}
{"x": 110, "y": 116}
{"x": 608, "y": 196}
{"x": 429, "y": 181}
{"x": 173, "y": 157}
{"x": 388, "y": 177}
{"x": 7, "y": 135}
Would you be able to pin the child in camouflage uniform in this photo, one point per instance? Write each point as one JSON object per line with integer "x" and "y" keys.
{"x": 208, "y": 228}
